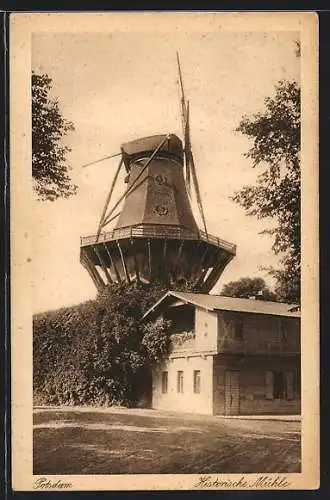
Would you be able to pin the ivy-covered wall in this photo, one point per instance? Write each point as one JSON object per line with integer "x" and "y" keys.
{"x": 98, "y": 352}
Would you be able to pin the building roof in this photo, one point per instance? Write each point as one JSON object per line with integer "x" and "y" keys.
{"x": 219, "y": 302}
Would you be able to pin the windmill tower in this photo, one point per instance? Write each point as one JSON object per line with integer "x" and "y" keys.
{"x": 156, "y": 238}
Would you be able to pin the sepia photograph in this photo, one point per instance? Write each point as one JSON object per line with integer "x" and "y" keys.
{"x": 164, "y": 251}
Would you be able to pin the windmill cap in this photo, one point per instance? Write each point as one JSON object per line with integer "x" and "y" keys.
{"x": 147, "y": 145}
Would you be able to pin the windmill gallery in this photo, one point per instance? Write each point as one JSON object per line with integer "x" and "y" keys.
{"x": 229, "y": 356}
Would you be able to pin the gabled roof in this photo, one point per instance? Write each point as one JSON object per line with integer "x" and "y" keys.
{"x": 219, "y": 302}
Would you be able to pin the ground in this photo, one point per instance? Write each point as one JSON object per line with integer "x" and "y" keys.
{"x": 123, "y": 441}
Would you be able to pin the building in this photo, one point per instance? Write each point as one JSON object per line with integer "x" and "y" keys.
{"x": 229, "y": 356}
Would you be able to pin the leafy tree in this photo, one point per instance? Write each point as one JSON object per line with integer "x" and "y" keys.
{"x": 275, "y": 135}
{"x": 99, "y": 352}
{"x": 248, "y": 287}
{"x": 49, "y": 128}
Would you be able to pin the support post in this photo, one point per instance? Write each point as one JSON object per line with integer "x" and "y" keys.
{"x": 124, "y": 263}
{"x": 179, "y": 253}
{"x": 215, "y": 273}
{"x": 206, "y": 268}
{"x": 113, "y": 263}
{"x": 102, "y": 264}
{"x": 195, "y": 261}
{"x": 136, "y": 265}
{"x": 164, "y": 263}
{"x": 90, "y": 267}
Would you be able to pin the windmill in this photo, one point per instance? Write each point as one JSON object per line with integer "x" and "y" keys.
{"x": 156, "y": 238}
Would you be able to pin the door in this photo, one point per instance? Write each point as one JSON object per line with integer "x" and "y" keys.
{"x": 232, "y": 393}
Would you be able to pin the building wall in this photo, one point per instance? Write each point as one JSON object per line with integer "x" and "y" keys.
{"x": 253, "y": 394}
{"x": 187, "y": 401}
{"x": 259, "y": 333}
{"x": 265, "y": 343}
{"x": 206, "y": 330}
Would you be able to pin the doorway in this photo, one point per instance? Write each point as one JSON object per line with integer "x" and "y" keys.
{"x": 232, "y": 392}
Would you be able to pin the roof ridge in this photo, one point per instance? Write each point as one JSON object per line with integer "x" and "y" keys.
{"x": 289, "y": 304}
{"x": 237, "y": 304}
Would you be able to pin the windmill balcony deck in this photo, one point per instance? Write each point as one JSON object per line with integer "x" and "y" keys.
{"x": 157, "y": 232}
{"x": 155, "y": 253}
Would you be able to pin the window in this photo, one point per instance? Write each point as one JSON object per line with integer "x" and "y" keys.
{"x": 239, "y": 330}
{"x": 164, "y": 382}
{"x": 197, "y": 381}
{"x": 180, "y": 382}
{"x": 279, "y": 385}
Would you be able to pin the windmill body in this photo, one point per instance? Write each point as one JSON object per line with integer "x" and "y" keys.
{"x": 160, "y": 196}
{"x": 156, "y": 237}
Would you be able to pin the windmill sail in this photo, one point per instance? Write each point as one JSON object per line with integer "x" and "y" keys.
{"x": 185, "y": 125}
{"x": 189, "y": 159}
{"x": 191, "y": 168}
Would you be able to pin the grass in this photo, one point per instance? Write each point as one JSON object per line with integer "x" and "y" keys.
{"x": 71, "y": 441}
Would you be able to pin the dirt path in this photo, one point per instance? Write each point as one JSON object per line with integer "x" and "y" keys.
{"x": 123, "y": 441}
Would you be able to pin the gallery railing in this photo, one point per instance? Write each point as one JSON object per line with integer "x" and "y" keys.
{"x": 182, "y": 341}
{"x": 170, "y": 232}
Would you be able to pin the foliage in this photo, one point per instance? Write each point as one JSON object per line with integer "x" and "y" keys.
{"x": 248, "y": 287}
{"x": 49, "y": 166}
{"x": 156, "y": 340}
{"x": 99, "y": 352}
{"x": 275, "y": 133}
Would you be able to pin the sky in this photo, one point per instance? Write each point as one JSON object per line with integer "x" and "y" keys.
{"x": 118, "y": 86}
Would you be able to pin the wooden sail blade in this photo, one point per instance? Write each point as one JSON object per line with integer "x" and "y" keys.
{"x": 101, "y": 159}
{"x": 190, "y": 159}
{"x": 187, "y": 148}
{"x": 107, "y": 201}
{"x": 107, "y": 220}
{"x": 182, "y": 100}
{"x": 185, "y": 127}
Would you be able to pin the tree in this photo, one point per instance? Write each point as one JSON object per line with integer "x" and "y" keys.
{"x": 275, "y": 133}
{"x": 248, "y": 287}
{"x": 49, "y": 165}
{"x": 101, "y": 351}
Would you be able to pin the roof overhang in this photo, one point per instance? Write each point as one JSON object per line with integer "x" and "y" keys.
{"x": 169, "y": 299}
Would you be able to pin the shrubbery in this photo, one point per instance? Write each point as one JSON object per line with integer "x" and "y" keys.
{"x": 99, "y": 352}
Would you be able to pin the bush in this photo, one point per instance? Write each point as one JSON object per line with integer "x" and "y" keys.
{"x": 99, "y": 352}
